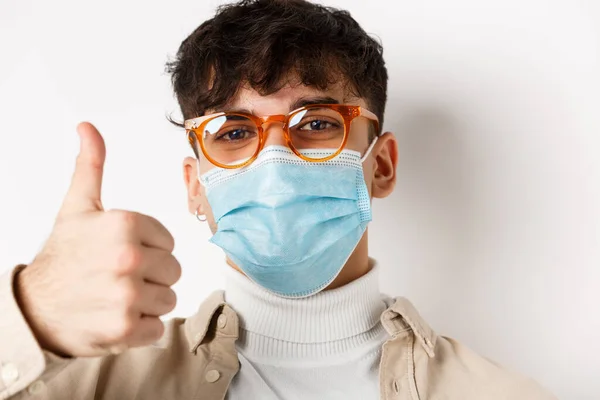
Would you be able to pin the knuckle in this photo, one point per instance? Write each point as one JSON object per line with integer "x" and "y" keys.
{"x": 129, "y": 259}
{"x": 124, "y": 220}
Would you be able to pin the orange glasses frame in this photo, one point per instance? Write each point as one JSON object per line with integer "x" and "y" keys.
{"x": 348, "y": 112}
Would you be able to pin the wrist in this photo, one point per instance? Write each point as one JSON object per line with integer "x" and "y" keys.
{"x": 24, "y": 298}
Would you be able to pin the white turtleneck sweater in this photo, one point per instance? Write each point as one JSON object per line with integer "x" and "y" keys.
{"x": 326, "y": 346}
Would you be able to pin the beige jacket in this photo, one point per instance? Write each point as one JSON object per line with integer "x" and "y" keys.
{"x": 196, "y": 359}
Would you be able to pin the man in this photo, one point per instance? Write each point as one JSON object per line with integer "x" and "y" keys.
{"x": 283, "y": 104}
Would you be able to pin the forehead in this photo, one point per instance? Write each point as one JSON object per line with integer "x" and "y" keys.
{"x": 289, "y": 97}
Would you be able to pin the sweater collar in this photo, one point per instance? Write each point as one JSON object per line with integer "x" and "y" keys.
{"x": 326, "y": 316}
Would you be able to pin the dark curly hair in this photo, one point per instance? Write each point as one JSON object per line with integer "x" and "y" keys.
{"x": 262, "y": 42}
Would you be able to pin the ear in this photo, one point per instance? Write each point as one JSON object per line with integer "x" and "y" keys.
{"x": 190, "y": 177}
{"x": 386, "y": 161}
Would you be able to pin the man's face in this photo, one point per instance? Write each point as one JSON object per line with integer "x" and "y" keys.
{"x": 379, "y": 167}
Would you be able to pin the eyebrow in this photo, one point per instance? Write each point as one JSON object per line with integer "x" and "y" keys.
{"x": 301, "y": 102}
{"x": 307, "y": 101}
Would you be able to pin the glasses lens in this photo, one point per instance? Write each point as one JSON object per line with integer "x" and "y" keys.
{"x": 317, "y": 128}
{"x": 230, "y": 139}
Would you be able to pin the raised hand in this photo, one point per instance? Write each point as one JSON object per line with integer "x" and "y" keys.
{"x": 103, "y": 278}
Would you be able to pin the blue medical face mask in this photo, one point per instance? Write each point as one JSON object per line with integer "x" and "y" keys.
{"x": 290, "y": 224}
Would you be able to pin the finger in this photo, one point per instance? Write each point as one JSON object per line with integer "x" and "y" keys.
{"x": 161, "y": 267}
{"x": 154, "y": 234}
{"x": 157, "y": 300}
{"x": 136, "y": 228}
{"x": 149, "y": 330}
{"x": 84, "y": 194}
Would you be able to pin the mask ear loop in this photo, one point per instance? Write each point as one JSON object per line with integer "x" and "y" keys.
{"x": 363, "y": 158}
{"x": 199, "y": 217}
{"x": 203, "y": 178}
{"x": 370, "y": 148}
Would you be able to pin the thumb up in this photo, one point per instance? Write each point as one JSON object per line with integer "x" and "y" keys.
{"x": 103, "y": 278}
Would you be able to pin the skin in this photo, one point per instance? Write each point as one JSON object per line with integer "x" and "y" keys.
{"x": 103, "y": 279}
{"x": 379, "y": 168}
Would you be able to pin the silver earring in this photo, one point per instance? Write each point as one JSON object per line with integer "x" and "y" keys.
{"x": 201, "y": 218}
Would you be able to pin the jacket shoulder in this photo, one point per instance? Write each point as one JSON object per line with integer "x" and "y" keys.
{"x": 458, "y": 372}
{"x": 443, "y": 368}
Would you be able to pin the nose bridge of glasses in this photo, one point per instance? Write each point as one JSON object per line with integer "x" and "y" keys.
{"x": 272, "y": 118}
{"x": 267, "y": 122}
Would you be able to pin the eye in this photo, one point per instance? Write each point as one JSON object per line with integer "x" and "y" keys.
{"x": 317, "y": 125}
{"x": 235, "y": 135}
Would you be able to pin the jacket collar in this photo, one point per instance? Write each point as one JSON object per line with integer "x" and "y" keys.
{"x": 205, "y": 324}
{"x": 400, "y": 317}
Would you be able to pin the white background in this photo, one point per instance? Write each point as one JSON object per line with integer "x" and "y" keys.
{"x": 494, "y": 229}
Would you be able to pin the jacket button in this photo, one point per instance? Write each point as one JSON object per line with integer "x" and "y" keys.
{"x": 9, "y": 373}
{"x": 212, "y": 376}
{"x": 222, "y": 321}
